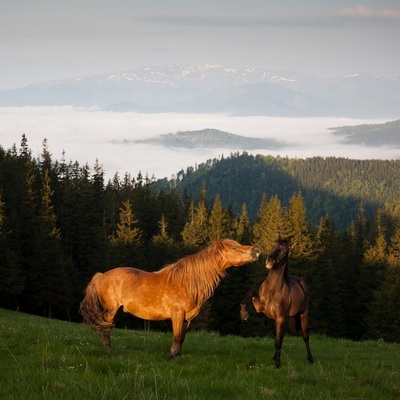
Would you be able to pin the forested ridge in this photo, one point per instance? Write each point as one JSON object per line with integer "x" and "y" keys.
{"x": 333, "y": 186}
{"x": 61, "y": 222}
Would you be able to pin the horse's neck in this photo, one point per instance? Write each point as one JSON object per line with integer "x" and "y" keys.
{"x": 203, "y": 282}
{"x": 278, "y": 277}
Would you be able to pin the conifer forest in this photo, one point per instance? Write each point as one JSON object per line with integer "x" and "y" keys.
{"x": 62, "y": 222}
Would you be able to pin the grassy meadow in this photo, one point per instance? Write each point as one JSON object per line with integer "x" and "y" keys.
{"x": 50, "y": 359}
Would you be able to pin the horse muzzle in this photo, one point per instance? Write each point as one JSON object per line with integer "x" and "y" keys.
{"x": 255, "y": 253}
{"x": 269, "y": 264}
{"x": 244, "y": 315}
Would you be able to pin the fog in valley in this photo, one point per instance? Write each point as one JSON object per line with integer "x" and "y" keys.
{"x": 89, "y": 135}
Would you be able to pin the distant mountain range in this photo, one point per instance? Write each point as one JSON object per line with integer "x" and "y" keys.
{"x": 217, "y": 89}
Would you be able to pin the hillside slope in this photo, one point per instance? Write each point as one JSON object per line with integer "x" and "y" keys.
{"x": 48, "y": 359}
{"x": 333, "y": 186}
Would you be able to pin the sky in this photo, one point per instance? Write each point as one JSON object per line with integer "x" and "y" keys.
{"x": 47, "y": 40}
{"x": 44, "y": 40}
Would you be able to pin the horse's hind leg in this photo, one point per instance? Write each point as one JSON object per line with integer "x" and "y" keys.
{"x": 306, "y": 336}
{"x": 108, "y": 318}
{"x": 280, "y": 333}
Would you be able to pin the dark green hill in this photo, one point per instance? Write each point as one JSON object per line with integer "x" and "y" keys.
{"x": 387, "y": 134}
{"x": 212, "y": 138}
{"x": 334, "y": 186}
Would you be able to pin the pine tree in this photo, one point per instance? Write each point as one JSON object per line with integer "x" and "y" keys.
{"x": 268, "y": 224}
{"x": 12, "y": 280}
{"x": 162, "y": 238}
{"x": 19, "y": 181}
{"x": 125, "y": 243}
{"x": 354, "y": 282}
{"x": 242, "y": 227}
{"x": 163, "y": 248}
{"x": 218, "y": 222}
{"x": 374, "y": 265}
{"x": 195, "y": 232}
{"x": 384, "y": 317}
{"x": 394, "y": 248}
{"x": 297, "y": 228}
{"x": 174, "y": 212}
{"x": 50, "y": 273}
{"x": 377, "y": 253}
{"x": 326, "y": 313}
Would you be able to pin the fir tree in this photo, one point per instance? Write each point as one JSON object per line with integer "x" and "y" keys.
{"x": 383, "y": 319}
{"x": 354, "y": 282}
{"x": 297, "y": 228}
{"x": 195, "y": 232}
{"x": 218, "y": 222}
{"x": 394, "y": 248}
{"x": 125, "y": 243}
{"x": 268, "y": 224}
{"x": 324, "y": 280}
{"x": 242, "y": 227}
{"x": 50, "y": 272}
{"x": 12, "y": 280}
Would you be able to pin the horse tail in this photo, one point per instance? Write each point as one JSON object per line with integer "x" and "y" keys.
{"x": 92, "y": 310}
{"x": 295, "y": 323}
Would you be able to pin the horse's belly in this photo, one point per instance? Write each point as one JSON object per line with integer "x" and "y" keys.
{"x": 149, "y": 312}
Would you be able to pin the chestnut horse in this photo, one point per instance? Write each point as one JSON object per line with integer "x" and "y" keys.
{"x": 175, "y": 292}
{"x": 280, "y": 296}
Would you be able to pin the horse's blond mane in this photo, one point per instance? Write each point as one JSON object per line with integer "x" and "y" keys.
{"x": 200, "y": 273}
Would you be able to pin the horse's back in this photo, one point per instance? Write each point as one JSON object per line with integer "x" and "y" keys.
{"x": 123, "y": 272}
{"x": 297, "y": 280}
{"x": 116, "y": 282}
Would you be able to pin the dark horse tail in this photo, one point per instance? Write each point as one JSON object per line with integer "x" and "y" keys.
{"x": 92, "y": 310}
{"x": 295, "y": 323}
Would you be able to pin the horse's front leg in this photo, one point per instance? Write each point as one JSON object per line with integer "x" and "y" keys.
{"x": 258, "y": 306}
{"x": 179, "y": 328}
{"x": 280, "y": 333}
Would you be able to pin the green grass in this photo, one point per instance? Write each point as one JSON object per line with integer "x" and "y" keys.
{"x": 49, "y": 359}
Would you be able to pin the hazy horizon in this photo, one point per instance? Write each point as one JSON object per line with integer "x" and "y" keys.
{"x": 89, "y": 135}
{"x": 45, "y": 40}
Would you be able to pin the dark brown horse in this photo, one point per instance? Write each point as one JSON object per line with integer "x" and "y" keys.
{"x": 281, "y": 296}
{"x": 175, "y": 292}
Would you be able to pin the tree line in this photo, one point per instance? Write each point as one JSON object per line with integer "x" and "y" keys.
{"x": 61, "y": 222}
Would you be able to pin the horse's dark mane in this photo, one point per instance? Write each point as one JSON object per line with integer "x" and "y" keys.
{"x": 200, "y": 273}
{"x": 286, "y": 271}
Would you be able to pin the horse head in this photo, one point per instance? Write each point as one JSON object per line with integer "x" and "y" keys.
{"x": 279, "y": 254}
{"x": 236, "y": 254}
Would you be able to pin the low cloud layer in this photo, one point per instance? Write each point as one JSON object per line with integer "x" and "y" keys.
{"x": 87, "y": 135}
